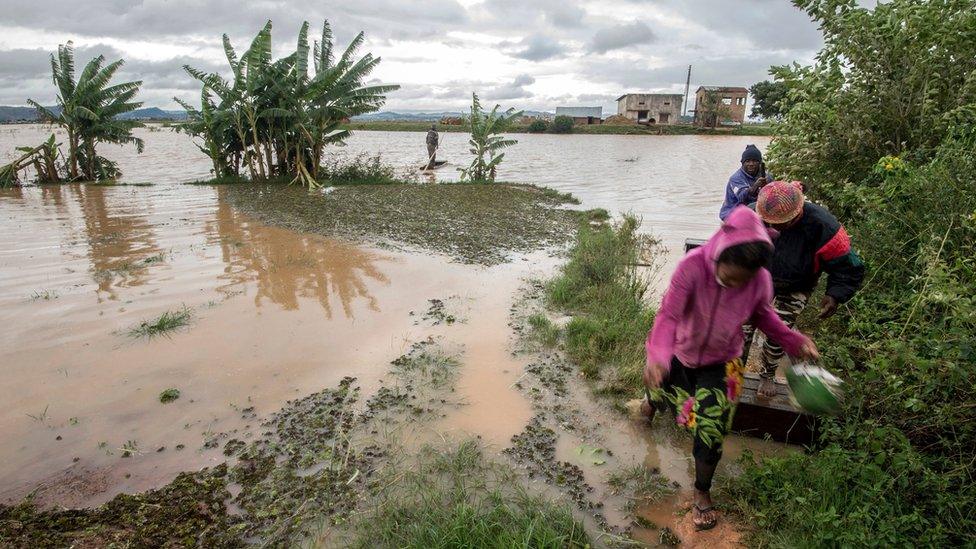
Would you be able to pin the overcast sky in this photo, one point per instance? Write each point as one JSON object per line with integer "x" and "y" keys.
{"x": 530, "y": 54}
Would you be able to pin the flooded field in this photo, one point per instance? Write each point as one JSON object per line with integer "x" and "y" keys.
{"x": 674, "y": 183}
{"x": 274, "y": 315}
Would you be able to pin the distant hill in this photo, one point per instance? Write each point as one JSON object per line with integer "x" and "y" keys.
{"x": 28, "y": 114}
{"x": 415, "y": 116}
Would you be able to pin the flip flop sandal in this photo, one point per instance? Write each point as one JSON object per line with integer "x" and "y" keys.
{"x": 705, "y": 525}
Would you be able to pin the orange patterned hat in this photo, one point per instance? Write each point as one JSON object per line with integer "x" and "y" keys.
{"x": 780, "y": 201}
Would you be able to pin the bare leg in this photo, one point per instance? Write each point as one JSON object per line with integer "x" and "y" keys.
{"x": 703, "y": 514}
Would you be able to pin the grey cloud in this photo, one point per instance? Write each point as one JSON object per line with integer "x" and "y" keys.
{"x": 622, "y": 36}
{"x": 537, "y": 47}
{"x": 773, "y": 24}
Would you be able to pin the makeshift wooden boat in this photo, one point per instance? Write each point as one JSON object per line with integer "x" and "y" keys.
{"x": 437, "y": 164}
{"x": 776, "y": 417}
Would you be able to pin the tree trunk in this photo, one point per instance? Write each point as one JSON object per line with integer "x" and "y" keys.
{"x": 72, "y": 154}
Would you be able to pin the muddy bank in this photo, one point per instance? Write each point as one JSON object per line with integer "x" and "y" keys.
{"x": 477, "y": 224}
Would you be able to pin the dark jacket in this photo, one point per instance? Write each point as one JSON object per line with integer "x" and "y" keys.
{"x": 818, "y": 242}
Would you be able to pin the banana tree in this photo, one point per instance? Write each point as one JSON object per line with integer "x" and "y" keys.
{"x": 89, "y": 111}
{"x": 283, "y": 113}
{"x": 486, "y": 142}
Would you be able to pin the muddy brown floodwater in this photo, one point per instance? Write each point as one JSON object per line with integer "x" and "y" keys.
{"x": 277, "y": 314}
{"x": 274, "y": 315}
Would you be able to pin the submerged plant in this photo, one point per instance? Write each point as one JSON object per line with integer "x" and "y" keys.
{"x": 43, "y": 159}
{"x": 169, "y": 395}
{"x": 163, "y": 324}
{"x": 486, "y": 141}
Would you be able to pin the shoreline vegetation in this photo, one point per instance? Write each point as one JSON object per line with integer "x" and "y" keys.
{"x": 593, "y": 129}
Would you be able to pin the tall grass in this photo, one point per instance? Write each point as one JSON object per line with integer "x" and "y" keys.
{"x": 602, "y": 288}
{"x": 458, "y": 498}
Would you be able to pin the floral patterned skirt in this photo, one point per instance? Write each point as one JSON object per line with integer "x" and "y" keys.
{"x": 702, "y": 400}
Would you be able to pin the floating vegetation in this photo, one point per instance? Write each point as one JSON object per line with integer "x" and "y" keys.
{"x": 471, "y": 223}
{"x": 429, "y": 362}
{"x": 41, "y": 417}
{"x": 437, "y": 313}
{"x": 163, "y": 324}
{"x": 169, "y": 395}
{"x": 130, "y": 447}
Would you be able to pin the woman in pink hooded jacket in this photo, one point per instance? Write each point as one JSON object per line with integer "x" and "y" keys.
{"x": 693, "y": 366}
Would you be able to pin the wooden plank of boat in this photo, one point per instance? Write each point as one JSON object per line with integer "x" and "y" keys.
{"x": 776, "y": 417}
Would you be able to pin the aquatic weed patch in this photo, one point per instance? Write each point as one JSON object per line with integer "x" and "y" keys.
{"x": 471, "y": 223}
{"x": 188, "y": 512}
{"x": 163, "y": 324}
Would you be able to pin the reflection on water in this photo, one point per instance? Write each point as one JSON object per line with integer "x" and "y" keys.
{"x": 286, "y": 266}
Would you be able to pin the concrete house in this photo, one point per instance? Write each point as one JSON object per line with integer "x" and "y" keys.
{"x": 732, "y": 97}
{"x": 582, "y": 115}
{"x": 650, "y": 108}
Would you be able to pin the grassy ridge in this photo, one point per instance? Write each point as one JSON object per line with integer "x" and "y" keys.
{"x": 602, "y": 289}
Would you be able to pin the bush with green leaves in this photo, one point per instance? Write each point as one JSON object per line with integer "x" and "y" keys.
{"x": 538, "y": 126}
{"x": 561, "y": 124}
{"x": 884, "y": 132}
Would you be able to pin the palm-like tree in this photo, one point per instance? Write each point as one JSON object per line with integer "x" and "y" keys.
{"x": 276, "y": 116}
{"x": 486, "y": 142}
{"x": 88, "y": 110}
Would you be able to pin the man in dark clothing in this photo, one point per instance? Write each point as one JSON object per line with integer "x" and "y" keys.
{"x": 743, "y": 186}
{"x": 432, "y": 142}
{"x": 810, "y": 240}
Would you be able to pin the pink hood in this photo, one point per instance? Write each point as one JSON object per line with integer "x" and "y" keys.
{"x": 700, "y": 322}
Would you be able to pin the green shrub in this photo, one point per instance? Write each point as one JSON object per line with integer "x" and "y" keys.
{"x": 538, "y": 126}
{"x": 561, "y": 124}
{"x": 891, "y": 149}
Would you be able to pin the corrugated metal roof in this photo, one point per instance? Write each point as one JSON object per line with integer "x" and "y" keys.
{"x": 580, "y": 112}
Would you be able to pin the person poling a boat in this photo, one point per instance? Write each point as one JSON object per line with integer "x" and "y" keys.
{"x": 693, "y": 367}
{"x": 744, "y": 185}
{"x": 808, "y": 240}
{"x": 433, "y": 140}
